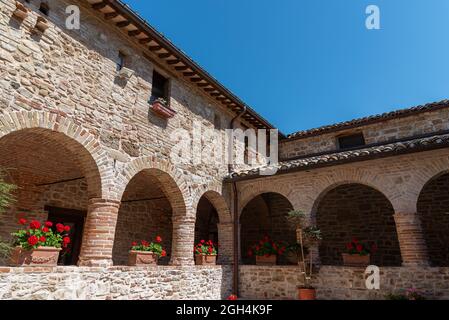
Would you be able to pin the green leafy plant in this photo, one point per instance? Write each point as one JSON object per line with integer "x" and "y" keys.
{"x": 207, "y": 248}
{"x": 35, "y": 235}
{"x": 154, "y": 247}
{"x": 308, "y": 236}
{"x": 267, "y": 247}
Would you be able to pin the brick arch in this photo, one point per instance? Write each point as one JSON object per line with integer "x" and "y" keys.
{"x": 63, "y": 130}
{"x": 346, "y": 210}
{"x": 251, "y": 191}
{"x": 172, "y": 181}
{"x": 213, "y": 193}
{"x": 432, "y": 208}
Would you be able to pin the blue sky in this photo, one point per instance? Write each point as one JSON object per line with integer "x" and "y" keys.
{"x": 307, "y": 63}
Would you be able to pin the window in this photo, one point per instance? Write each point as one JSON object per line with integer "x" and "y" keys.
{"x": 160, "y": 87}
{"x": 44, "y": 8}
{"x": 351, "y": 141}
{"x": 121, "y": 61}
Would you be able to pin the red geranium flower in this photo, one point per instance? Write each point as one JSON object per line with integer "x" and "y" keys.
{"x": 45, "y": 229}
{"x": 163, "y": 253}
{"x": 355, "y": 240}
{"x": 158, "y": 239}
{"x": 42, "y": 239}
{"x": 359, "y": 248}
{"x": 202, "y": 241}
{"x": 49, "y": 224}
{"x": 35, "y": 225}
{"x": 60, "y": 227}
{"x": 66, "y": 228}
{"x": 145, "y": 243}
{"x": 66, "y": 240}
{"x": 134, "y": 244}
{"x": 22, "y": 221}
{"x": 232, "y": 297}
{"x": 33, "y": 240}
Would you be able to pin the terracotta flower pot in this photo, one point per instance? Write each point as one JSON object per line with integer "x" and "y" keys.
{"x": 162, "y": 110}
{"x": 41, "y": 24}
{"x": 355, "y": 260}
{"x": 203, "y": 260}
{"x": 142, "y": 258}
{"x": 21, "y": 12}
{"x": 40, "y": 257}
{"x": 306, "y": 294}
{"x": 266, "y": 261}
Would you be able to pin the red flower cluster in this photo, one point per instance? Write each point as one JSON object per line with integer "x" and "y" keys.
{"x": 208, "y": 248}
{"x": 232, "y": 297}
{"x": 41, "y": 235}
{"x": 154, "y": 247}
{"x": 267, "y": 247}
{"x": 360, "y": 248}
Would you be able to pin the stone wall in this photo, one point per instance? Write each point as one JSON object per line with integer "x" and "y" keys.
{"x": 342, "y": 283}
{"x": 380, "y": 132}
{"x": 151, "y": 283}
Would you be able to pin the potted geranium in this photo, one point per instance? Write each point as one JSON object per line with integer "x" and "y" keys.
{"x": 146, "y": 253}
{"x": 267, "y": 251}
{"x": 205, "y": 253}
{"x": 39, "y": 245}
{"x": 358, "y": 253}
{"x": 308, "y": 236}
{"x": 160, "y": 106}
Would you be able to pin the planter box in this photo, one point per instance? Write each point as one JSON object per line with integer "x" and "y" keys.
{"x": 40, "y": 257}
{"x": 203, "y": 260}
{"x": 266, "y": 261}
{"x": 306, "y": 294}
{"x": 142, "y": 258}
{"x": 21, "y": 12}
{"x": 355, "y": 260}
{"x": 41, "y": 24}
{"x": 162, "y": 110}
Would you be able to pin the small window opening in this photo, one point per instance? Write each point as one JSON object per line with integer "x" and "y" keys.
{"x": 160, "y": 87}
{"x": 121, "y": 61}
{"x": 351, "y": 141}
{"x": 44, "y": 8}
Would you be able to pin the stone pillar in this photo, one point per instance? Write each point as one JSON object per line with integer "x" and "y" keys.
{"x": 225, "y": 240}
{"x": 411, "y": 239}
{"x": 99, "y": 232}
{"x": 183, "y": 241}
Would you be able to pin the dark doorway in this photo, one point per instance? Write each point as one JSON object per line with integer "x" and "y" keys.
{"x": 74, "y": 219}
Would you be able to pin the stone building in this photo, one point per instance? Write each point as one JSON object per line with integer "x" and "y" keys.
{"x": 81, "y": 138}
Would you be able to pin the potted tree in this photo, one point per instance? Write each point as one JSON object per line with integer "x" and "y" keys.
{"x": 307, "y": 237}
{"x": 39, "y": 245}
{"x": 205, "y": 253}
{"x": 146, "y": 253}
{"x": 267, "y": 251}
{"x": 358, "y": 254}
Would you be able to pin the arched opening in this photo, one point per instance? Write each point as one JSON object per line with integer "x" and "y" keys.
{"x": 55, "y": 176}
{"x": 206, "y": 225}
{"x": 147, "y": 209}
{"x": 266, "y": 214}
{"x": 357, "y": 211}
{"x": 433, "y": 209}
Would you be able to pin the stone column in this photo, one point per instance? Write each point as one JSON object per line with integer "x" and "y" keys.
{"x": 183, "y": 241}
{"x": 225, "y": 240}
{"x": 411, "y": 239}
{"x": 99, "y": 232}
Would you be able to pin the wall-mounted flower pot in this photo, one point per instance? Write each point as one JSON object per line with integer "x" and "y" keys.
{"x": 356, "y": 260}
{"x": 204, "y": 260}
{"x": 270, "y": 260}
{"x": 125, "y": 73}
{"x": 40, "y": 257}
{"x": 41, "y": 24}
{"x": 306, "y": 293}
{"x": 21, "y": 12}
{"x": 142, "y": 258}
{"x": 162, "y": 110}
